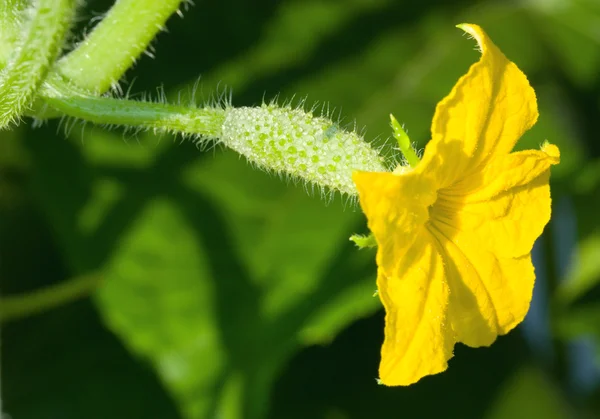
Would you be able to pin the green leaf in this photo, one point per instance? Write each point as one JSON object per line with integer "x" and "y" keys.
{"x": 219, "y": 293}
{"x": 569, "y": 29}
{"x": 160, "y": 298}
{"x": 580, "y": 321}
{"x": 299, "y": 27}
{"x": 529, "y": 394}
{"x": 67, "y": 346}
{"x": 583, "y": 272}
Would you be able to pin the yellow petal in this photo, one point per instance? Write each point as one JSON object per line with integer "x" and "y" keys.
{"x": 490, "y": 294}
{"x": 471, "y": 313}
{"x": 484, "y": 115}
{"x": 487, "y": 237}
{"x": 396, "y": 207}
{"x": 418, "y": 341}
{"x": 507, "y": 203}
{"x": 410, "y": 276}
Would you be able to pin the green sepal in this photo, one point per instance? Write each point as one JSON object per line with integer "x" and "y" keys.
{"x": 363, "y": 241}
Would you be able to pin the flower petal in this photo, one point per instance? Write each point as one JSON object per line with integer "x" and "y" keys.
{"x": 490, "y": 294}
{"x": 418, "y": 341}
{"x": 507, "y": 204}
{"x": 487, "y": 243}
{"x": 484, "y": 115}
{"x": 471, "y": 312}
{"x": 410, "y": 275}
{"x": 396, "y": 207}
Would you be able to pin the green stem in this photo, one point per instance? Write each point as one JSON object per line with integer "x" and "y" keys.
{"x": 11, "y": 18}
{"x": 404, "y": 143}
{"x": 282, "y": 139}
{"x": 115, "y": 43}
{"x": 161, "y": 117}
{"x": 17, "y": 307}
{"x": 27, "y": 67}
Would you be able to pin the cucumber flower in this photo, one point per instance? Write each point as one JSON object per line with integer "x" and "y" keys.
{"x": 455, "y": 231}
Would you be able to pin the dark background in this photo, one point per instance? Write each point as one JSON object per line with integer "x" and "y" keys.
{"x": 228, "y": 293}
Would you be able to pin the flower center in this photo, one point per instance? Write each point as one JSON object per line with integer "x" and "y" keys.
{"x": 443, "y": 210}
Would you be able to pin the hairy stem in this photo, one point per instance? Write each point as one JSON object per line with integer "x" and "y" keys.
{"x": 40, "y": 43}
{"x": 202, "y": 122}
{"x": 284, "y": 140}
{"x": 404, "y": 143}
{"x": 11, "y": 18}
{"x": 115, "y": 43}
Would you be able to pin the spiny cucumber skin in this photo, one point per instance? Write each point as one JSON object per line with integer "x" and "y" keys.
{"x": 294, "y": 142}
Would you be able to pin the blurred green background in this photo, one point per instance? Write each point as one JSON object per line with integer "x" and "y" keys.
{"x": 227, "y": 293}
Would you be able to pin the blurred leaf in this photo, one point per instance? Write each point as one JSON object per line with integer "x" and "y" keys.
{"x": 556, "y": 125}
{"x": 218, "y": 295}
{"x": 101, "y": 147}
{"x": 12, "y": 152}
{"x": 571, "y": 30}
{"x": 529, "y": 394}
{"x": 584, "y": 272}
{"x": 63, "y": 364}
{"x": 587, "y": 180}
{"x": 62, "y": 183}
{"x": 579, "y": 321}
{"x": 159, "y": 298}
{"x": 298, "y": 26}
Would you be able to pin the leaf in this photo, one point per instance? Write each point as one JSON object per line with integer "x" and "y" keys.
{"x": 569, "y": 29}
{"x": 579, "y": 321}
{"x": 159, "y": 298}
{"x": 218, "y": 294}
{"x": 299, "y": 27}
{"x": 583, "y": 271}
{"x": 529, "y": 394}
{"x": 63, "y": 364}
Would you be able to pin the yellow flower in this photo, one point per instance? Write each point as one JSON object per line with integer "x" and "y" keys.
{"x": 455, "y": 233}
